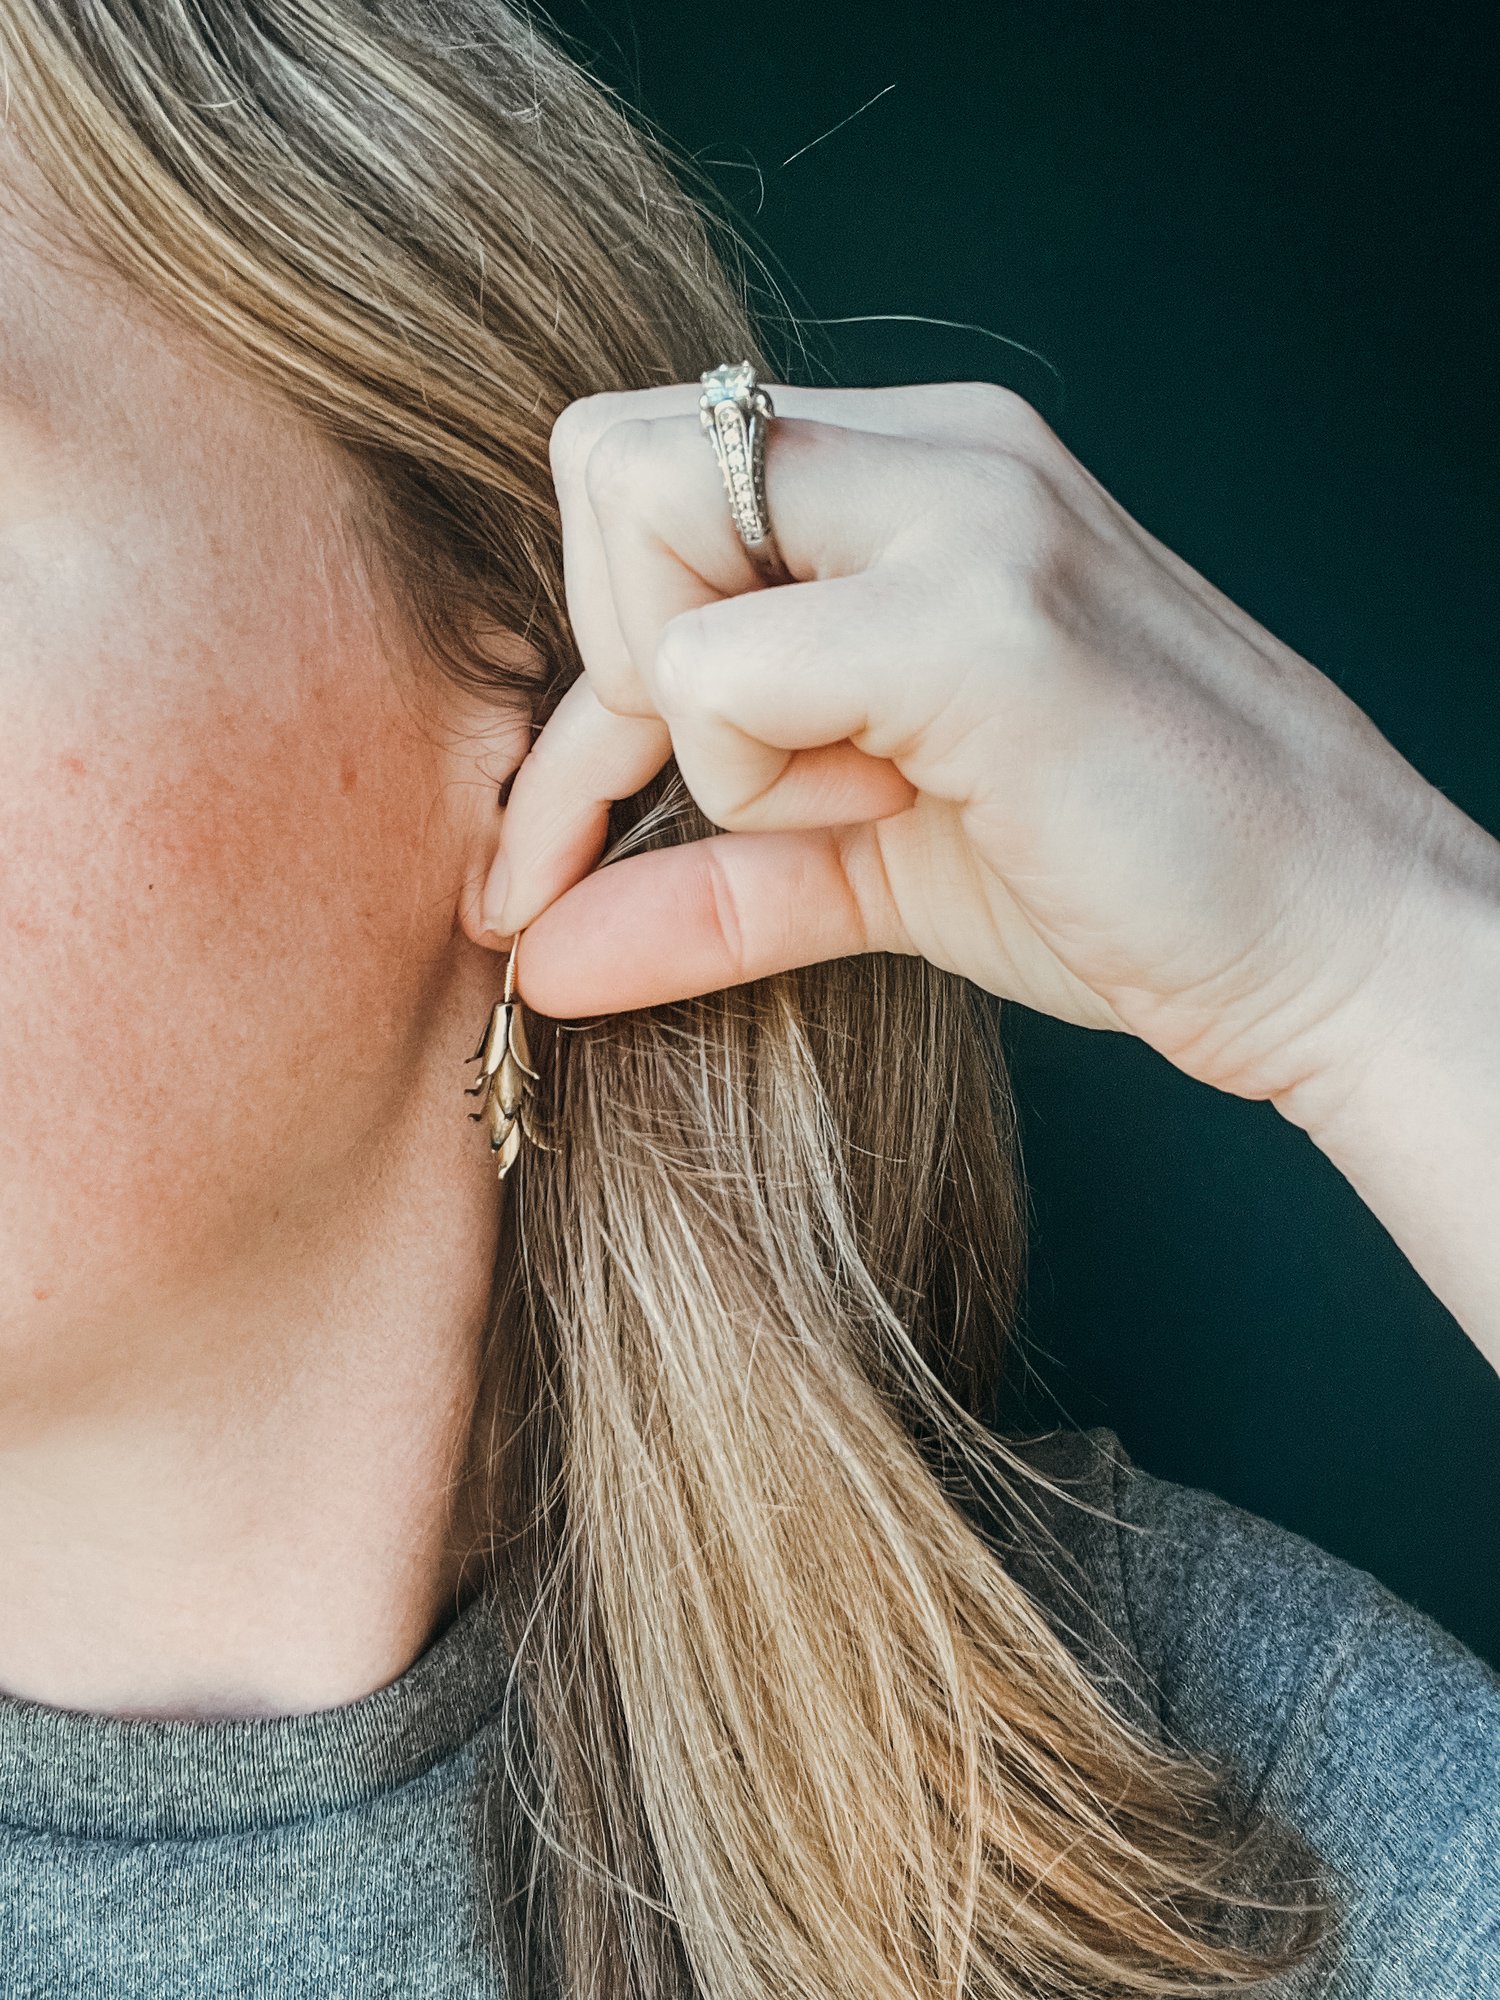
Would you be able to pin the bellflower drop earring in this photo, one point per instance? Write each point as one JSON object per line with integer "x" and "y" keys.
{"x": 506, "y": 1076}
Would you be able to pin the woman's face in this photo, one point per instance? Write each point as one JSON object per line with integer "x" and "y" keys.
{"x": 230, "y": 848}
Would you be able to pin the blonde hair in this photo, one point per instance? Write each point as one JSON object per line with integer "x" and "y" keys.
{"x": 783, "y": 1725}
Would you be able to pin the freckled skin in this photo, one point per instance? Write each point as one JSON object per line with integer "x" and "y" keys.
{"x": 197, "y": 708}
{"x": 246, "y": 1229}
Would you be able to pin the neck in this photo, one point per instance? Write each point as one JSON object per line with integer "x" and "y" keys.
{"x": 248, "y": 1503}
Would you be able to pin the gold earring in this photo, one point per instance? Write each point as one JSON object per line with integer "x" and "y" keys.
{"x": 506, "y": 1076}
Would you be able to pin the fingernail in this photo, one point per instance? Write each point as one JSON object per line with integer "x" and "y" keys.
{"x": 492, "y": 903}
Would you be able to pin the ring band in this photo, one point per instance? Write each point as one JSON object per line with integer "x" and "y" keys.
{"x": 735, "y": 412}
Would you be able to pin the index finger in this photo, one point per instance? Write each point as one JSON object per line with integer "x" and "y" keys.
{"x": 556, "y": 816}
{"x": 647, "y": 531}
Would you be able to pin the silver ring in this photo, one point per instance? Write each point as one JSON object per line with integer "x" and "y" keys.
{"x": 735, "y": 412}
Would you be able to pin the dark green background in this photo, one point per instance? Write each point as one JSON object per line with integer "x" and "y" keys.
{"x": 1253, "y": 242}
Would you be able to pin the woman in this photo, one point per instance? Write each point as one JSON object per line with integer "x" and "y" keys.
{"x": 603, "y": 1585}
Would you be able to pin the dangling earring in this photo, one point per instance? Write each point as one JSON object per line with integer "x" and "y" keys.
{"x": 506, "y": 1077}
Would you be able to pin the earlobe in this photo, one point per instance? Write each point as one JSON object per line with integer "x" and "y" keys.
{"x": 483, "y": 818}
{"x": 487, "y": 744}
{"x": 471, "y": 907}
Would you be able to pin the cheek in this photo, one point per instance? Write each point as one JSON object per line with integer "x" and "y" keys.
{"x": 220, "y": 924}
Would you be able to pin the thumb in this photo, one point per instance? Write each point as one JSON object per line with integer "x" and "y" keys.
{"x": 679, "y": 921}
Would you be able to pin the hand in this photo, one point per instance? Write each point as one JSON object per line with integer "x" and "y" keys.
{"x": 993, "y": 721}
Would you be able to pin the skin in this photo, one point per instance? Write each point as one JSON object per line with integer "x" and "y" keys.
{"x": 246, "y": 1233}
{"x": 253, "y": 877}
{"x": 993, "y": 721}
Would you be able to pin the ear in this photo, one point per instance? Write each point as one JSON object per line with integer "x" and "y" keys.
{"x": 486, "y": 742}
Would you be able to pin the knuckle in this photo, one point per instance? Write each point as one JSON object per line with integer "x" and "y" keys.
{"x": 575, "y": 427}
{"x": 1013, "y": 563}
{"x": 1019, "y": 512}
{"x": 998, "y": 416}
{"x": 612, "y": 464}
{"x": 1016, "y": 609}
{"x": 622, "y": 694}
{"x": 726, "y": 910}
{"x": 680, "y": 665}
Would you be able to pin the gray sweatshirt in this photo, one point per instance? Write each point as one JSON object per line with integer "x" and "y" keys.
{"x": 332, "y": 1856}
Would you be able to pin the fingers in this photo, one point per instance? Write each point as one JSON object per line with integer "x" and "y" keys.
{"x": 812, "y": 706}
{"x": 680, "y": 921}
{"x": 647, "y": 533}
{"x": 636, "y": 478}
{"x": 840, "y": 671}
{"x": 801, "y": 711}
{"x": 739, "y": 784}
{"x": 557, "y": 815}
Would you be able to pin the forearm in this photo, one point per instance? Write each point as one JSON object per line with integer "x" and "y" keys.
{"x": 1408, "y": 1106}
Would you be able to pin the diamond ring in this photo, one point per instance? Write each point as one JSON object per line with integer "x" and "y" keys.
{"x": 735, "y": 413}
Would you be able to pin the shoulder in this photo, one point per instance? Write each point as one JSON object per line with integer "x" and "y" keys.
{"x": 1340, "y": 1710}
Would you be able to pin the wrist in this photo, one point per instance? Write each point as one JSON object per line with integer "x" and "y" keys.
{"x": 1428, "y": 1010}
{"x": 1408, "y": 1106}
